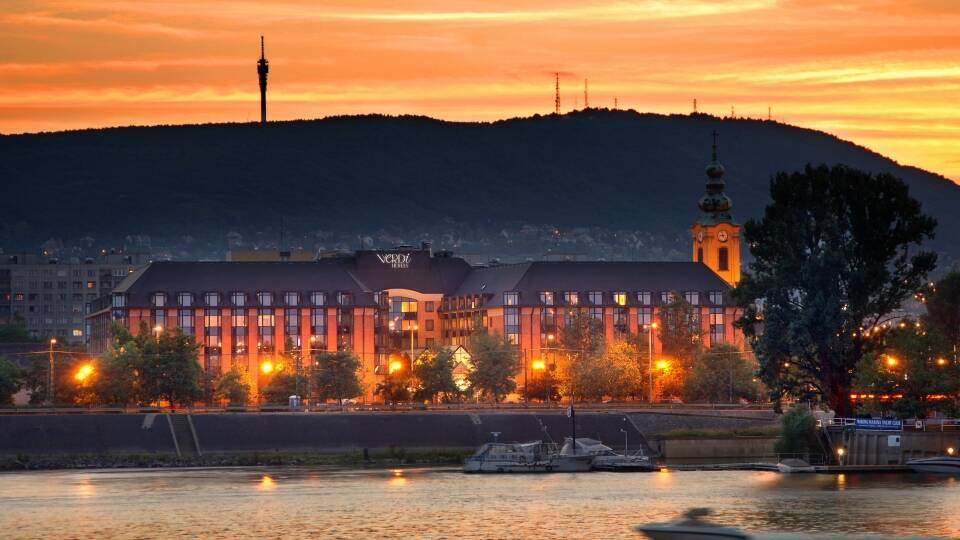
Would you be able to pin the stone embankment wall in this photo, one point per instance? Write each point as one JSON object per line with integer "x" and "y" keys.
{"x": 226, "y": 433}
{"x": 868, "y": 447}
{"x": 713, "y": 451}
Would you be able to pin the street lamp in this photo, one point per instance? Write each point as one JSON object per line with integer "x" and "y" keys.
{"x": 84, "y": 372}
{"x": 625, "y": 435}
{"x": 840, "y": 453}
{"x": 650, "y": 328}
{"x": 413, "y": 329}
{"x": 541, "y": 365}
{"x": 50, "y": 383}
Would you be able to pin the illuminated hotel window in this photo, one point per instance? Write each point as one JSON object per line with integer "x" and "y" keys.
{"x": 211, "y": 330}
{"x": 291, "y": 298}
{"x": 344, "y": 299}
{"x": 511, "y": 298}
{"x": 265, "y": 330}
{"x": 239, "y": 324}
{"x": 291, "y": 326}
{"x": 318, "y": 298}
{"x": 265, "y": 298}
{"x": 571, "y": 298}
{"x": 644, "y": 298}
{"x": 692, "y": 298}
{"x": 185, "y": 299}
{"x": 211, "y": 299}
{"x": 724, "y": 260}
{"x": 238, "y": 299}
{"x": 716, "y": 325}
{"x": 546, "y": 298}
{"x": 90, "y": 284}
{"x": 185, "y": 320}
{"x": 159, "y": 317}
{"x": 621, "y": 319}
{"x": 620, "y": 298}
{"x": 77, "y": 332}
{"x": 716, "y": 297}
{"x": 595, "y": 297}
{"x": 644, "y": 316}
{"x": 511, "y": 324}
{"x": 158, "y": 299}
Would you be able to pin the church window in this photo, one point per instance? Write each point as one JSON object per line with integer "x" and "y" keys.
{"x": 723, "y": 260}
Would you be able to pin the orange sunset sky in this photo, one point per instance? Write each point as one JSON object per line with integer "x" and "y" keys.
{"x": 882, "y": 73}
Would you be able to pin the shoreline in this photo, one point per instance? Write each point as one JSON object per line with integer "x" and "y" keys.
{"x": 392, "y": 457}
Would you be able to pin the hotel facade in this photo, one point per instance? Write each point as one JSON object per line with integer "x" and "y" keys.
{"x": 400, "y": 302}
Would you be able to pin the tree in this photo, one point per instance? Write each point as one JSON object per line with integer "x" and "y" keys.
{"x": 833, "y": 257}
{"x": 721, "y": 375}
{"x": 234, "y": 386}
{"x": 170, "y": 370}
{"x": 915, "y": 364}
{"x": 680, "y": 330}
{"x": 495, "y": 363}
{"x": 629, "y": 368}
{"x": 116, "y": 381}
{"x": 798, "y": 434}
{"x": 395, "y": 387}
{"x": 582, "y": 335}
{"x": 943, "y": 308}
{"x": 10, "y": 378}
{"x": 282, "y": 385}
{"x": 336, "y": 376}
{"x": 435, "y": 376}
{"x": 587, "y": 376}
{"x": 15, "y": 331}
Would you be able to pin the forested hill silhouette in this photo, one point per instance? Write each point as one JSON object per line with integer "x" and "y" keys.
{"x": 600, "y": 169}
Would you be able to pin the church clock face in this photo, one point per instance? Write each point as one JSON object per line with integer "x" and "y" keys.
{"x": 722, "y": 236}
{"x": 700, "y": 236}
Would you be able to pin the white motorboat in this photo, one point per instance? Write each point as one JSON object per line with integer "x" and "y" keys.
{"x": 691, "y": 527}
{"x": 795, "y": 466}
{"x": 938, "y": 465}
{"x": 527, "y": 457}
{"x": 604, "y": 458}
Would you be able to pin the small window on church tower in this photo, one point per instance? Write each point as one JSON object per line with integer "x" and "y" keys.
{"x": 724, "y": 260}
{"x": 699, "y": 254}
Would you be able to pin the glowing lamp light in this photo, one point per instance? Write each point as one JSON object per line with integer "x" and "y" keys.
{"x": 892, "y": 361}
{"x": 841, "y": 452}
{"x": 941, "y": 361}
{"x": 951, "y": 451}
{"x": 395, "y": 365}
{"x": 654, "y": 325}
{"x": 267, "y": 367}
{"x": 663, "y": 365}
{"x": 84, "y": 372}
{"x": 538, "y": 365}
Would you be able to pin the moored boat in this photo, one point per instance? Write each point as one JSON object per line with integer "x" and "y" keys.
{"x": 937, "y": 465}
{"x": 795, "y": 466}
{"x": 604, "y": 458}
{"x": 530, "y": 457}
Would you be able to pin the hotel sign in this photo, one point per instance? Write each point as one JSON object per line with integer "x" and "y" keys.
{"x": 395, "y": 260}
{"x": 880, "y": 424}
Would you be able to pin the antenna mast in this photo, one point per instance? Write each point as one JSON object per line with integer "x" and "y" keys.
{"x": 586, "y": 100}
{"x": 694, "y": 105}
{"x": 556, "y": 99}
{"x": 262, "y": 69}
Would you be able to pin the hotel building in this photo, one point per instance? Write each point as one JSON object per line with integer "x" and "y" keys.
{"x": 384, "y": 304}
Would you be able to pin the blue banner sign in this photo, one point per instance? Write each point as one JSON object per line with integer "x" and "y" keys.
{"x": 883, "y": 424}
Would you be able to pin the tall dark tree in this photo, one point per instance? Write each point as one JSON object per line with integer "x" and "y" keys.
{"x": 336, "y": 376}
{"x": 680, "y": 330}
{"x": 10, "y": 377}
{"x": 834, "y": 254}
{"x": 169, "y": 368}
{"x": 435, "y": 376}
{"x": 943, "y": 308}
{"x": 582, "y": 336}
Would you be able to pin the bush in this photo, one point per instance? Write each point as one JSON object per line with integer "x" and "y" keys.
{"x": 799, "y": 432}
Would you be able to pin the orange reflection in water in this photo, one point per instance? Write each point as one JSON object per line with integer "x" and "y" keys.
{"x": 266, "y": 483}
{"x": 397, "y": 478}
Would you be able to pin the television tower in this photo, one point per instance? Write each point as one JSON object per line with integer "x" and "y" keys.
{"x": 262, "y": 70}
{"x": 556, "y": 99}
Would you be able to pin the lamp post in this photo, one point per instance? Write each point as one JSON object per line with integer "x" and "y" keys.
{"x": 625, "y": 435}
{"x": 413, "y": 329}
{"x": 650, "y": 328}
{"x": 50, "y": 382}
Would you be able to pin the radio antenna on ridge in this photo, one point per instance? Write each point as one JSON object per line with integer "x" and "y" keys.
{"x": 556, "y": 99}
{"x": 586, "y": 100}
{"x": 694, "y": 105}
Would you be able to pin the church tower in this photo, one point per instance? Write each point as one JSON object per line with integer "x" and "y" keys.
{"x": 715, "y": 236}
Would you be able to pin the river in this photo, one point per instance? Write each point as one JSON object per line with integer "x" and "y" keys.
{"x": 440, "y": 503}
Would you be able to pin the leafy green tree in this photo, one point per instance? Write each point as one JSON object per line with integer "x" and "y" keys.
{"x": 629, "y": 367}
{"x": 116, "y": 381}
{"x": 721, "y": 375}
{"x": 395, "y": 387}
{"x": 36, "y": 376}
{"x": 582, "y": 336}
{"x": 10, "y": 378}
{"x": 943, "y": 308}
{"x": 798, "y": 433}
{"x": 434, "y": 374}
{"x": 915, "y": 364}
{"x": 336, "y": 376}
{"x": 540, "y": 384}
{"x": 170, "y": 370}
{"x": 834, "y": 255}
{"x": 495, "y": 363}
{"x": 15, "y": 331}
{"x": 585, "y": 377}
{"x": 234, "y": 386}
{"x": 680, "y": 330}
{"x": 282, "y": 385}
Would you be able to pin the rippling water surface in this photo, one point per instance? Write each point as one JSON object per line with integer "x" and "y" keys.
{"x": 443, "y": 503}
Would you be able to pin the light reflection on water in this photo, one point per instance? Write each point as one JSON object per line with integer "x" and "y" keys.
{"x": 443, "y": 503}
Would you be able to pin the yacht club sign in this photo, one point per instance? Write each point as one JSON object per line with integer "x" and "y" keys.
{"x": 395, "y": 260}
